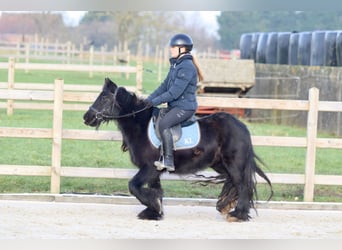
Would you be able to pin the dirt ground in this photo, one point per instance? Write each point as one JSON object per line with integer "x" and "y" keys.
{"x": 64, "y": 220}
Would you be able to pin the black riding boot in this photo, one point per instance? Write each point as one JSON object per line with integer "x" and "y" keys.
{"x": 167, "y": 146}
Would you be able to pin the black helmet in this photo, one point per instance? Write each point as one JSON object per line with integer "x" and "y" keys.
{"x": 182, "y": 40}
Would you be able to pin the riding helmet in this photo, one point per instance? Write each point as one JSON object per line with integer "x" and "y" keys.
{"x": 182, "y": 40}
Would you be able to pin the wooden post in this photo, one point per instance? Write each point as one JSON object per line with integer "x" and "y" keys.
{"x": 56, "y": 156}
{"x": 27, "y": 55}
{"x": 56, "y": 47}
{"x": 115, "y": 55}
{"x": 81, "y": 53}
{"x": 128, "y": 58}
{"x": 36, "y": 41}
{"x": 160, "y": 65}
{"x": 91, "y": 60}
{"x": 156, "y": 55}
{"x": 339, "y": 117}
{"x": 276, "y": 114}
{"x": 18, "y": 52}
{"x": 140, "y": 50}
{"x": 10, "y": 83}
{"x": 68, "y": 52}
{"x": 311, "y": 145}
{"x": 73, "y": 52}
{"x": 166, "y": 57}
{"x": 41, "y": 46}
{"x": 139, "y": 76}
{"x": 102, "y": 55}
{"x": 46, "y": 46}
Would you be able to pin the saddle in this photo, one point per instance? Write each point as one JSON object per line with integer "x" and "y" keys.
{"x": 184, "y": 135}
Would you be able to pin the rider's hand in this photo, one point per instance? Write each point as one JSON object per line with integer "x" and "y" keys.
{"x": 149, "y": 104}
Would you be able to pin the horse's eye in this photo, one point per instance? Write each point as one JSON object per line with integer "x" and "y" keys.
{"x": 105, "y": 99}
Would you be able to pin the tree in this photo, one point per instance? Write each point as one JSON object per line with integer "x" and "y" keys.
{"x": 128, "y": 27}
{"x": 45, "y": 24}
{"x": 148, "y": 29}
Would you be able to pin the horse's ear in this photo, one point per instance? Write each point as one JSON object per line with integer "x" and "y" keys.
{"x": 109, "y": 85}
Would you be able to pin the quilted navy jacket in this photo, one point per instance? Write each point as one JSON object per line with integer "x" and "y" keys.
{"x": 179, "y": 87}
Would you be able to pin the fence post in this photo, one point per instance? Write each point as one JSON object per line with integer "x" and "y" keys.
{"x": 139, "y": 76}
{"x": 91, "y": 60}
{"x": 10, "y": 83}
{"x": 81, "y": 53}
{"x": 127, "y": 59}
{"x": 103, "y": 59}
{"x": 35, "y": 50}
{"x": 18, "y": 51}
{"x": 56, "y": 47}
{"x": 27, "y": 56}
{"x": 115, "y": 55}
{"x": 56, "y": 156}
{"x": 68, "y": 44}
{"x": 311, "y": 145}
{"x": 160, "y": 65}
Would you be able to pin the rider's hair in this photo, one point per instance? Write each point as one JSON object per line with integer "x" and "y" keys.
{"x": 199, "y": 71}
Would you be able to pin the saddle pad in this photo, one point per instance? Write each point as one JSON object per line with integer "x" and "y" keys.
{"x": 189, "y": 139}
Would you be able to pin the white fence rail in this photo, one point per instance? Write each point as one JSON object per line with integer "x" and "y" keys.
{"x": 58, "y": 96}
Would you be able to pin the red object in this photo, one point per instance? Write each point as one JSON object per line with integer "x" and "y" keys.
{"x": 203, "y": 110}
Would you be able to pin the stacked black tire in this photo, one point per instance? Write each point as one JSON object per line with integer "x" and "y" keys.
{"x": 316, "y": 48}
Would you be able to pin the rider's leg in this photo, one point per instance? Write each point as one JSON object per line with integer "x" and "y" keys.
{"x": 171, "y": 118}
{"x": 167, "y": 144}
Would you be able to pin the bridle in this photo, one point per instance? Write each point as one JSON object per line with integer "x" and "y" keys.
{"x": 100, "y": 115}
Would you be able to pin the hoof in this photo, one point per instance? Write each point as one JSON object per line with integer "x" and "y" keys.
{"x": 235, "y": 216}
{"x": 230, "y": 206}
{"x": 149, "y": 214}
{"x": 233, "y": 219}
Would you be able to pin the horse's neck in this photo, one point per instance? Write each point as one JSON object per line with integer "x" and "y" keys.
{"x": 133, "y": 129}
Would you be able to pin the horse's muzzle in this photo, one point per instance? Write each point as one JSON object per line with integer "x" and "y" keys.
{"x": 90, "y": 119}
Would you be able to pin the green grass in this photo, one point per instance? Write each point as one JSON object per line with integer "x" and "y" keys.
{"x": 82, "y": 153}
{"x": 150, "y": 77}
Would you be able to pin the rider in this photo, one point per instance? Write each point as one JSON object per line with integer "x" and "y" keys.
{"x": 178, "y": 90}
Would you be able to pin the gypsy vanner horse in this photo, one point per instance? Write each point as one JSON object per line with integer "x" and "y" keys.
{"x": 225, "y": 146}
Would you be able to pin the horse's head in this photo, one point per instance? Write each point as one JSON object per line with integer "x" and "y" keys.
{"x": 104, "y": 106}
{"x": 113, "y": 102}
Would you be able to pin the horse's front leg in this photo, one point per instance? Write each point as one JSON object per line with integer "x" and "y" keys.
{"x": 146, "y": 187}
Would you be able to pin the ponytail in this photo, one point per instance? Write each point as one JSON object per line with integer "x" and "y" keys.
{"x": 199, "y": 71}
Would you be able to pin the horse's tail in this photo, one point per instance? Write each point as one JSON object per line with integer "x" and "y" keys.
{"x": 262, "y": 174}
{"x": 250, "y": 171}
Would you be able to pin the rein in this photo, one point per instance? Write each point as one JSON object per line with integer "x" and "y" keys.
{"x": 99, "y": 115}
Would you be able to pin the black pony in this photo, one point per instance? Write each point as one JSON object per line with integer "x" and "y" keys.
{"x": 225, "y": 146}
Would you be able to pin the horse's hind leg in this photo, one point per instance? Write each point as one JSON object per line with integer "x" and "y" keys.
{"x": 146, "y": 187}
{"x": 227, "y": 200}
{"x": 240, "y": 185}
{"x": 242, "y": 208}
{"x": 243, "y": 186}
